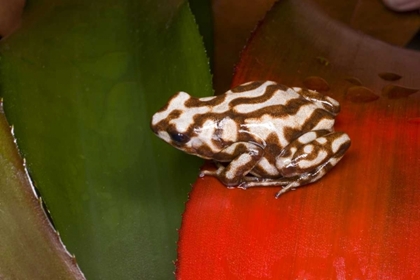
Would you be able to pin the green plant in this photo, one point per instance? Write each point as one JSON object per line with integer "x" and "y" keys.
{"x": 80, "y": 81}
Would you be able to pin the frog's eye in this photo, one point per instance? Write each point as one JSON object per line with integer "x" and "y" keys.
{"x": 179, "y": 137}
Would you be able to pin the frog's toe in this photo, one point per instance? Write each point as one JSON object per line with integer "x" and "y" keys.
{"x": 212, "y": 172}
{"x": 292, "y": 186}
{"x": 207, "y": 172}
{"x": 243, "y": 185}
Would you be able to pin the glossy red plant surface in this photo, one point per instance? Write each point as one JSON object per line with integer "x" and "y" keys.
{"x": 362, "y": 221}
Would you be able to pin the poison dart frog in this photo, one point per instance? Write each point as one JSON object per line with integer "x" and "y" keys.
{"x": 259, "y": 134}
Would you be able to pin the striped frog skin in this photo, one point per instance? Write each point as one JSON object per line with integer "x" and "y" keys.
{"x": 258, "y": 134}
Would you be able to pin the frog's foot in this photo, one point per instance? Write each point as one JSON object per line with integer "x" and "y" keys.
{"x": 214, "y": 172}
{"x": 244, "y": 158}
{"x": 290, "y": 186}
{"x": 218, "y": 174}
{"x": 287, "y": 183}
{"x": 253, "y": 181}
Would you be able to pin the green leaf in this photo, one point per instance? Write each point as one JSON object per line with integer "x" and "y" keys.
{"x": 80, "y": 82}
{"x": 29, "y": 246}
{"x": 202, "y": 11}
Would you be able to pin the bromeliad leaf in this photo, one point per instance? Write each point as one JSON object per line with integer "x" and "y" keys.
{"x": 80, "y": 81}
{"x": 30, "y": 248}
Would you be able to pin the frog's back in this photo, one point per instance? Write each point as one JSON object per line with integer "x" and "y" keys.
{"x": 250, "y": 96}
{"x": 274, "y": 113}
{"x": 253, "y": 96}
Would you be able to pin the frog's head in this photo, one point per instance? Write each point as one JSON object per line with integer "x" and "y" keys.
{"x": 175, "y": 124}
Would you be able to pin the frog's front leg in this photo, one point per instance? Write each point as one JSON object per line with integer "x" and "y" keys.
{"x": 243, "y": 157}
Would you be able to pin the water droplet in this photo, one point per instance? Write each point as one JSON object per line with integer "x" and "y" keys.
{"x": 316, "y": 83}
{"x": 354, "y": 81}
{"x": 360, "y": 94}
{"x": 395, "y": 91}
{"x": 388, "y": 76}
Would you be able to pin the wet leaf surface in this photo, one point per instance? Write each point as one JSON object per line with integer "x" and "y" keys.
{"x": 396, "y": 91}
{"x": 354, "y": 81}
{"x": 359, "y": 94}
{"x": 235, "y": 20}
{"x": 316, "y": 83}
{"x": 372, "y": 17}
{"x": 361, "y": 221}
{"x": 388, "y": 76}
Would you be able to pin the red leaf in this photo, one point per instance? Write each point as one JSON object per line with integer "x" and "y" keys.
{"x": 362, "y": 220}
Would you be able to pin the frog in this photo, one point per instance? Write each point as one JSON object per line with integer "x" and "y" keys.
{"x": 259, "y": 134}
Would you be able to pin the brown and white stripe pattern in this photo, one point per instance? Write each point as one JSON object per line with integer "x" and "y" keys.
{"x": 278, "y": 134}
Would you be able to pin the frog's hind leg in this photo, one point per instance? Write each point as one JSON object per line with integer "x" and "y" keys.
{"x": 311, "y": 152}
{"x": 305, "y": 160}
{"x": 314, "y": 176}
{"x": 293, "y": 182}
